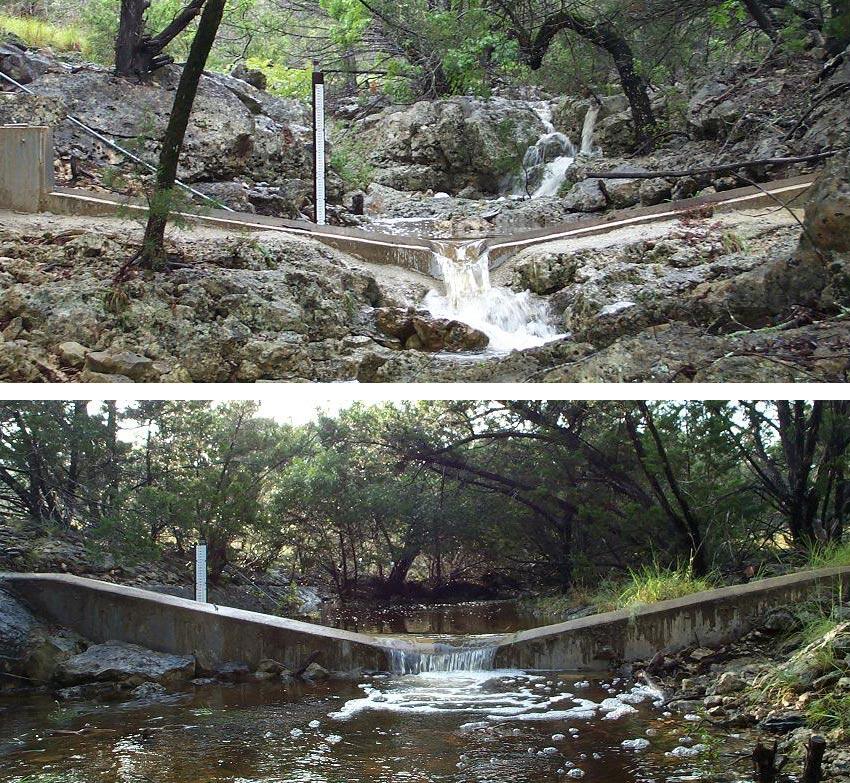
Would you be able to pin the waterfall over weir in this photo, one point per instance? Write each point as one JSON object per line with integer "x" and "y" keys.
{"x": 512, "y": 321}
{"x": 452, "y": 660}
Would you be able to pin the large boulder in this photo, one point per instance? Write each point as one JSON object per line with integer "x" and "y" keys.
{"x": 448, "y": 145}
{"x": 236, "y": 132}
{"x": 418, "y": 330}
{"x": 128, "y": 663}
{"x": 818, "y": 273}
{"x": 29, "y": 649}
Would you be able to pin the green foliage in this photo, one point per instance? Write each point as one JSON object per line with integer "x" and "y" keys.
{"x": 831, "y": 711}
{"x": 282, "y": 81}
{"x": 350, "y": 159}
{"x": 829, "y": 555}
{"x": 351, "y": 17}
{"x": 650, "y": 584}
{"x": 39, "y": 33}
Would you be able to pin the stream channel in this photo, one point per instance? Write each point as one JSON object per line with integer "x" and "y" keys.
{"x": 467, "y": 725}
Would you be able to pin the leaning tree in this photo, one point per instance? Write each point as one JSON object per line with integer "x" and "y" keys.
{"x": 152, "y": 253}
{"x": 138, "y": 53}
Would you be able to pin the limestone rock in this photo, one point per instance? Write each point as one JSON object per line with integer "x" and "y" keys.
{"x": 28, "y": 647}
{"x": 123, "y": 662}
{"x": 586, "y": 196}
{"x": 316, "y": 671}
{"x": 72, "y": 354}
{"x": 449, "y": 144}
{"x": 233, "y": 671}
{"x": 443, "y": 334}
{"x": 420, "y": 331}
{"x": 126, "y": 363}
{"x": 729, "y": 682}
{"x": 252, "y": 76}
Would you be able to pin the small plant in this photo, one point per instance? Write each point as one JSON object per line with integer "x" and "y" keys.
{"x": 831, "y": 711}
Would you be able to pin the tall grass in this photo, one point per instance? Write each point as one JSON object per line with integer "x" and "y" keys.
{"x": 649, "y": 584}
{"x": 830, "y": 555}
{"x": 40, "y": 34}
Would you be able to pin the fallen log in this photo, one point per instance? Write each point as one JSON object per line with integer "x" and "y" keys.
{"x": 718, "y": 169}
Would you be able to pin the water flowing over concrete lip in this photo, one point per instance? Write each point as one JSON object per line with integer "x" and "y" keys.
{"x": 26, "y": 185}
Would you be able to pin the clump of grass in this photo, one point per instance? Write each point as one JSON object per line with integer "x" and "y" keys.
{"x": 830, "y": 555}
{"x": 41, "y": 34}
{"x": 650, "y": 584}
{"x": 831, "y": 711}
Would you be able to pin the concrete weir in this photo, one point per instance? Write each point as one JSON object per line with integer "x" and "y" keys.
{"x": 709, "y": 617}
{"x": 102, "y": 611}
{"x": 27, "y": 185}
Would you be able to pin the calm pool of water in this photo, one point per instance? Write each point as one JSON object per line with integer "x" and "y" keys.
{"x": 463, "y": 727}
{"x": 472, "y": 617}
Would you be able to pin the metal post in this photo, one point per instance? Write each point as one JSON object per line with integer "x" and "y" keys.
{"x": 201, "y": 571}
{"x": 319, "y": 194}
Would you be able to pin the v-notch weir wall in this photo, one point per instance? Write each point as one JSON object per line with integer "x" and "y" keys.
{"x": 27, "y": 185}
{"x": 101, "y": 611}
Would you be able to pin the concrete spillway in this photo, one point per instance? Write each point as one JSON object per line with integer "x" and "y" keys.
{"x": 27, "y": 185}
{"x": 102, "y": 611}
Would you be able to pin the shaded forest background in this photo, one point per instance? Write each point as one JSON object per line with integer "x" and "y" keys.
{"x": 427, "y": 48}
{"x": 385, "y": 499}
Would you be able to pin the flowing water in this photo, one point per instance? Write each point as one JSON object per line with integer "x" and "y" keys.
{"x": 433, "y": 727}
{"x": 545, "y": 163}
{"x": 589, "y": 128}
{"x": 512, "y": 321}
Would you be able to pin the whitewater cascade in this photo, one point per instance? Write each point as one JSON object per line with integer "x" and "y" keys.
{"x": 453, "y": 659}
{"x": 589, "y": 128}
{"x": 546, "y": 161}
{"x": 512, "y": 321}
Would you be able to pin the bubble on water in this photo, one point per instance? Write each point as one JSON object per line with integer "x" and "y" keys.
{"x": 314, "y": 724}
{"x": 474, "y": 726}
{"x": 573, "y": 730}
{"x": 558, "y": 737}
{"x": 582, "y": 684}
{"x": 686, "y": 740}
{"x": 267, "y": 735}
{"x": 650, "y": 732}
{"x": 575, "y": 773}
{"x": 693, "y": 718}
{"x": 597, "y": 756}
{"x": 683, "y": 752}
{"x": 635, "y": 744}
{"x": 295, "y": 733}
{"x": 333, "y": 739}
{"x": 550, "y": 751}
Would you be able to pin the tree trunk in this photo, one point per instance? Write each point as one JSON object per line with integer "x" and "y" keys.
{"x": 153, "y": 248}
{"x": 401, "y": 567}
{"x": 838, "y": 27}
{"x": 137, "y": 54}
{"x": 603, "y": 35}
{"x": 759, "y": 14}
{"x": 684, "y": 521}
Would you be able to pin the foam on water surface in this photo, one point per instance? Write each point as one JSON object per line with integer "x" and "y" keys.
{"x": 512, "y": 320}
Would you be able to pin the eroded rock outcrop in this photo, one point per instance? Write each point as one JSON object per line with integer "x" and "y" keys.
{"x": 30, "y": 650}
{"x": 448, "y": 145}
{"x": 818, "y": 273}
